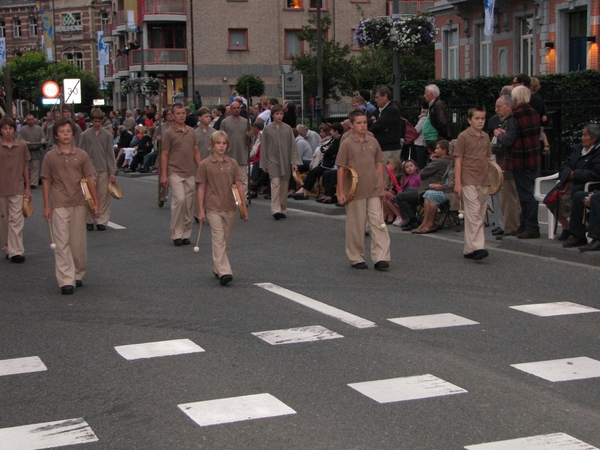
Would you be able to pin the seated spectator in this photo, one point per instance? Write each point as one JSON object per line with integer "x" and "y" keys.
{"x": 325, "y": 133}
{"x": 577, "y": 239}
{"x": 138, "y": 132}
{"x": 329, "y": 151}
{"x": 581, "y": 167}
{"x": 410, "y": 179}
{"x": 436, "y": 195}
{"x": 311, "y": 136}
{"x": 393, "y": 173}
{"x": 143, "y": 149}
{"x": 431, "y": 173}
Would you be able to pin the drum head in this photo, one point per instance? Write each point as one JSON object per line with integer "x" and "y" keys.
{"x": 27, "y": 207}
{"x": 496, "y": 177}
{"x": 115, "y": 190}
{"x": 350, "y": 183}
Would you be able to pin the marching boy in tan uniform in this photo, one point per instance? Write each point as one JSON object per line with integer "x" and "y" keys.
{"x": 62, "y": 170}
{"x": 98, "y": 144}
{"x": 14, "y": 184}
{"x": 364, "y": 155}
{"x": 215, "y": 176}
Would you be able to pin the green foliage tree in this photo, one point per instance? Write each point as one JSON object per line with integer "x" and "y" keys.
{"x": 30, "y": 71}
{"x": 256, "y": 85}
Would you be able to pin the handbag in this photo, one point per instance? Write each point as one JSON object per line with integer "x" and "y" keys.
{"x": 411, "y": 133}
{"x": 554, "y": 195}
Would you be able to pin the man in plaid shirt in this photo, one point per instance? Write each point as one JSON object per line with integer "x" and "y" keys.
{"x": 523, "y": 159}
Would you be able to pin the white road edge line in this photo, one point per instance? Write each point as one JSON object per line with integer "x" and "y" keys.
{"x": 316, "y": 305}
{"x": 115, "y": 226}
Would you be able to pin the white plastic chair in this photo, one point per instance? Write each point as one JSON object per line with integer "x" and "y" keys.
{"x": 537, "y": 193}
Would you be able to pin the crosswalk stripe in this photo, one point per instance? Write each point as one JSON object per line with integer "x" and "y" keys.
{"x": 21, "y": 365}
{"x": 567, "y": 369}
{"x": 115, "y": 226}
{"x": 47, "y": 435}
{"x": 296, "y": 335}
{"x": 555, "y": 309}
{"x": 433, "y": 321}
{"x": 156, "y": 349}
{"x": 556, "y": 441}
{"x": 316, "y": 305}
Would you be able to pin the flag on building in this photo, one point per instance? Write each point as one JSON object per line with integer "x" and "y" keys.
{"x": 488, "y": 5}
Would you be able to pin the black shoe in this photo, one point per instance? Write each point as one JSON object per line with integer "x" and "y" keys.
{"x": 178, "y": 242}
{"x": 320, "y": 200}
{"x": 410, "y": 225}
{"x": 329, "y": 201}
{"x": 529, "y": 234}
{"x": 277, "y": 216}
{"x": 225, "y": 279}
{"x": 100, "y": 227}
{"x": 78, "y": 283}
{"x": 593, "y": 246}
{"x": 33, "y": 186}
{"x": 185, "y": 241}
{"x": 299, "y": 196}
{"x": 498, "y": 231}
{"x": 382, "y": 265}
{"x": 564, "y": 235}
{"x": 574, "y": 241}
{"x": 18, "y": 259}
{"x": 477, "y": 255}
{"x": 282, "y": 216}
{"x": 360, "y": 265}
{"x": 267, "y": 197}
{"x": 89, "y": 226}
{"x": 66, "y": 290}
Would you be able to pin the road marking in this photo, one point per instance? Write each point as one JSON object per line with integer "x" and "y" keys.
{"x": 407, "y": 388}
{"x": 433, "y": 321}
{"x": 556, "y": 441}
{"x": 21, "y": 365}
{"x": 567, "y": 369}
{"x": 47, "y": 435}
{"x": 296, "y": 335}
{"x": 156, "y": 349}
{"x": 115, "y": 226}
{"x": 235, "y": 409}
{"x": 555, "y": 309}
{"x": 323, "y": 308}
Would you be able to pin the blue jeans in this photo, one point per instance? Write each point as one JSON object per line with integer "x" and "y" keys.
{"x": 524, "y": 181}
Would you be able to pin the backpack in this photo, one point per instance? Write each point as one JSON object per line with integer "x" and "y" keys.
{"x": 411, "y": 133}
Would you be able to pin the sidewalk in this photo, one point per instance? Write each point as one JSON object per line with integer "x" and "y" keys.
{"x": 539, "y": 247}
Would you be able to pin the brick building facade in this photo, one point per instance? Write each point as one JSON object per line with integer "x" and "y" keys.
{"x": 530, "y": 36}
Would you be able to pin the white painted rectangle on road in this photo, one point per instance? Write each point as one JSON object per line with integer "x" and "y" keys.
{"x": 296, "y": 335}
{"x": 567, "y": 369}
{"x": 433, "y": 321}
{"x": 235, "y": 409}
{"x": 21, "y": 365}
{"x": 555, "y": 309}
{"x": 318, "y": 306}
{"x": 115, "y": 226}
{"x": 157, "y": 349}
{"x": 47, "y": 435}
{"x": 407, "y": 388}
{"x": 555, "y": 441}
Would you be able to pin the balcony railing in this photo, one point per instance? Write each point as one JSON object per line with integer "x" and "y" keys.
{"x": 159, "y": 56}
{"x": 166, "y": 7}
{"x": 121, "y": 63}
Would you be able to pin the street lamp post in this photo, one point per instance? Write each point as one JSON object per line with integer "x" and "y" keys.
{"x": 319, "y": 64}
{"x": 396, "y": 56}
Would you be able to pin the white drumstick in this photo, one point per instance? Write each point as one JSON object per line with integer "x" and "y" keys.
{"x": 52, "y": 245}
{"x": 197, "y": 248}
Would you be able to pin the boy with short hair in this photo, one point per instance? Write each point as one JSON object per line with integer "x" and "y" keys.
{"x": 14, "y": 185}
{"x": 471, "y": 155}
{"x": 62, "y": 170}
{"x": 363, "y": 153}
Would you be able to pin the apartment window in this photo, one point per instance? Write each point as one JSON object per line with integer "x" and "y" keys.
{"x": 485, "y": 51}
{"x": 299, "y": 4}
{"x": 104, "y": 18}
{"x": 17, "y": 27}
{"x": 167, "y": 37}
{"x": 313, "y": 4}
{"x": 74, "y": 58}
{"x": 293, "y": 4}
{"x": 293, "y": 44}
{"x": 2, "y": 28}
{"x": 526, "y": 46}
{"x": 451, "y": 53}
{"x": 33, "y": 29}
{"x": 238, "y": 39}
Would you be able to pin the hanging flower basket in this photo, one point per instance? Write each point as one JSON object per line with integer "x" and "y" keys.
{"x": 404, "y": 33}
{"x": 146, "y": 87}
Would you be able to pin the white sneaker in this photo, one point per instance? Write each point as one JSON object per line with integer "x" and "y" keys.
{"x": 397, "y": 223}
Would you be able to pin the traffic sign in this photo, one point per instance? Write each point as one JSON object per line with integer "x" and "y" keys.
{"x": 50, "y": 89}
{"x": 72, "y": 90}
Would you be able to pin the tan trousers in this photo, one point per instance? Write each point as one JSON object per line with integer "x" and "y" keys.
{"x": 70, "y": 256}
{"x": 11, "y": 224}
{"x": 221, "y": 228}
{"x": 279, "y": 192}
{"x": 509, "y": 202}
{"x": 34, "y": 171}
{"x": 182, "y": 205}
{"x": 359, "y": 212}
{"x": 104, "y": 199}
{"x": 474, "y": 200}
{"x": 244, "y": 170}
{"x": 390, "y": 154}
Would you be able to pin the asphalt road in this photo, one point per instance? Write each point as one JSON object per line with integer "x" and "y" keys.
{"x": 141, "y": 289}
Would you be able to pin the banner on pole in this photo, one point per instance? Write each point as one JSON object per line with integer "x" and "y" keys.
{"x": 488, "y": 5}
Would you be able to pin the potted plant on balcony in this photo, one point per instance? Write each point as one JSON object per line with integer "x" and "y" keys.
{"x": 144, "y": 87}
{"x": 403, "y": 33}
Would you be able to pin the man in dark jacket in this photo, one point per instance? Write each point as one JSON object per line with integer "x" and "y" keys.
{"x": 386, "y": 124}
{"x": 436, "y": 124}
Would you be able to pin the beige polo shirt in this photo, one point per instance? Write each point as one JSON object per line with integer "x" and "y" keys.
{"x": 204, "y": 140}
{"x": 65, "y": 170}
{"x": 475, "y": 150}
{"x": 180, "y": 144}
{"x": 362, "y": 157}
{"x": 12, "y": 162}
{"x": 218, "y": 176}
